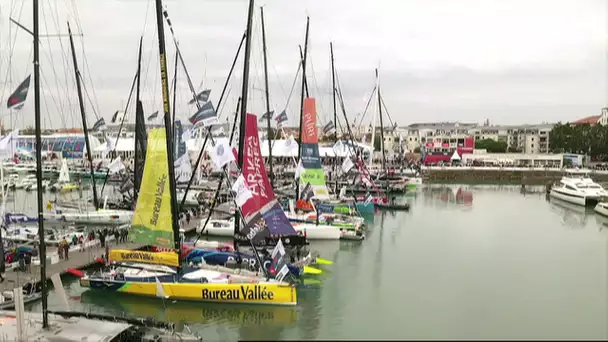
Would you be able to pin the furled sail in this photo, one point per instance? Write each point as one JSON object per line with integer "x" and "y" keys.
{"x": 313, "y": 170}
{"x": 152, "y": 224}
{"x": 262, "y": 213}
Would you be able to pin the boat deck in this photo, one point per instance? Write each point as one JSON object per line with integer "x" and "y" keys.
{"x": 77, "y": 260}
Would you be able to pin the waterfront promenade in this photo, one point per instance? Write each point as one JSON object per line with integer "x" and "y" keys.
{"x": 77, "y": 260}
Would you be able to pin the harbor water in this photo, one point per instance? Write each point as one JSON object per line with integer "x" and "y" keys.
{"x": 478, "y": 262}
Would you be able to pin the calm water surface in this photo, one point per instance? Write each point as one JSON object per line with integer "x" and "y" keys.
{"x": 479, "y": 262}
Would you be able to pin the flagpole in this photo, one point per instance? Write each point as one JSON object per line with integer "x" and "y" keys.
{"x": 264, "y": 48}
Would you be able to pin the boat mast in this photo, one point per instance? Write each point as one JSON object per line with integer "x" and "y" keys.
{"x": 302, "y": 103}
{"x": 264, "y": 48}
{"x": 84, "y": 119}
{"x": 168, "y": 125}
{"x": 139, "y": 109}
{"x": 37, "y": 123}
{"x": 243, "y": 118}
{"x": 333, "y": 93}
{"x": 381, "y": 125}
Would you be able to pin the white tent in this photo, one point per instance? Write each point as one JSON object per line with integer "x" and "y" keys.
{"x": 455, "y": 156}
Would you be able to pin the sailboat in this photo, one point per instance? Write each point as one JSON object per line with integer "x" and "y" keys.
{"x": 63, "y": 183}
{"x": 158, "y": 273}
{"x": 263, "y": 203}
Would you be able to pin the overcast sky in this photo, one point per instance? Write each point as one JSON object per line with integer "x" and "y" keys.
{"x": 515, "y": 61}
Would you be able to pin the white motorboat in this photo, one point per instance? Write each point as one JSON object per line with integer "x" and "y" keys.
{"x": 577, "y": 187}
{"x": 100, "y": 217}
{"x": 601, "y": 208}
{"x": 25, "y": 182}
{"x": 225, "y": 228}
{"x": 34, "y": 186}
{"x": 30, "y": 234}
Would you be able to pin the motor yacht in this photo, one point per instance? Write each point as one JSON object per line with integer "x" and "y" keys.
{"x": 577, "y": 187}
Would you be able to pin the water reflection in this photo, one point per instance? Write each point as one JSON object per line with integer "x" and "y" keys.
{"x": 187, "y": 312}
{"x": 448, "y": 196}
{"x": 572, "y": 215}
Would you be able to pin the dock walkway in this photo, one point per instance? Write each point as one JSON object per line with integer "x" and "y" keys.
{"x": 77, "y": 260}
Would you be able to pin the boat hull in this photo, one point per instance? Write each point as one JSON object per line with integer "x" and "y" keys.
{"x": 265, "y": 294}
{"x": 215, "y": 257}
{"x": 366, "y": 208}
{"x": 601, "y": 209}
{"x": 575, "y": 199}
{"x": 101, "y": 217}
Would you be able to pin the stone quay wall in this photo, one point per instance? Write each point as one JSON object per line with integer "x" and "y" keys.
{"x": 496, "y": 175}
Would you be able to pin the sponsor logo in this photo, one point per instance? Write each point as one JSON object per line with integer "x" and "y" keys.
{"x": 245, "y": 292}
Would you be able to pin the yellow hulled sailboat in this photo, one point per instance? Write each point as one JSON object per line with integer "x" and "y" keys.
{"x": 159, "y": 273}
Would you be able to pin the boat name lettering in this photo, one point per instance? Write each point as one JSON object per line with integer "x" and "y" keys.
{"x": 246, "y": 292}
{"x": 253, "y": 168}
{"x": 163, "y": 76}
{"x": 136, "y": 256}
{"x": 158, "y": 200}
{"x": 309, "y": 124}
{"x": 255, "y": 230}
{"x": 251, "y": 261}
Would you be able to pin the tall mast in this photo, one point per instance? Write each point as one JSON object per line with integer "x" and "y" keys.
{"x": 271, "y": 174}
{"x": 84, "y": 119}
{"x": 168, "y": 124}
{"x": 381, "y": 125}
{"x": 302, "y": 102}
{"x": 138, "y": 127}
{"x": 333, "y": 93}
{"x": 244, "y": 93}
{"x": 36, "y": 34}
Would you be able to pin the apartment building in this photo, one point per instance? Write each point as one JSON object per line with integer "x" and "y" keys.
{"x": 445, "y": 137}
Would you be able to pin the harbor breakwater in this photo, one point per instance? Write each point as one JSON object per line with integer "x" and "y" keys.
{"x": 497, "y": 175}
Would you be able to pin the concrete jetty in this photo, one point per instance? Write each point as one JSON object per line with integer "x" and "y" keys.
{"x": 77, "y": 260}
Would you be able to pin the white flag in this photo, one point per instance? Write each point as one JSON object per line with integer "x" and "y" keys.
{"x": 278, "y": 249}
{"x": 243, "y": 194}
{"x": 363, "y": 140}
{"x": 186, "y": 135}
{"x": 291, "y": 145}
{"x": 116, "y": 165}
{"x": 183, "y": 168}
{"x": 347, "y": 165}
{"x": 110, "y": 146}
{"x": 299, "y": 170}
{"x": 222, "y": 154}
{"x": 282, "y": 273}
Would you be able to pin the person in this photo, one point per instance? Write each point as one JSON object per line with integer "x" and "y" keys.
{"x": 66, "y": 250}
{"x": 102, "y": 239}
{"x": 28, "y": 262}
{"x": 60, "y": 250}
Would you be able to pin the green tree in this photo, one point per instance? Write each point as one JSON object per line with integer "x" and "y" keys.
{"x": 29, "y": 130}
{"x": 491, "y": 146}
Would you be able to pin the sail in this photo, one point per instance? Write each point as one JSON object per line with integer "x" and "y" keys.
{"x": 140, "y": 144}
{"x": 263, "y": 215}
{"x": 152, "y": 224}
{"x": 64, "y": 173}
{"x": 158, "y": 258}
{"x": 183, "y": 167}
{"x": 313, "y": 174}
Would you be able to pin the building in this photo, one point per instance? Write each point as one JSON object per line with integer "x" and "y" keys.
{"x": 70, "y": 146}
{"x": 601, "y": 119}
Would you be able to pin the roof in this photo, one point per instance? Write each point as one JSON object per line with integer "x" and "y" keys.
{"x": 592, "y": 120}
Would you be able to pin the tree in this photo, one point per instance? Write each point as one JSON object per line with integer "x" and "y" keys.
{"x": 491, "y": 146}
{"x": 581, "y": 139}
{"x": 29, "y": 130}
